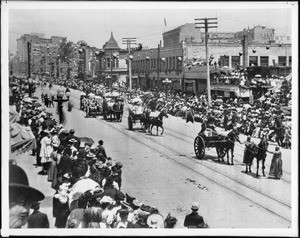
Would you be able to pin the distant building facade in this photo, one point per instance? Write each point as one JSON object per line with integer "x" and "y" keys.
{"x": 258, "y": 35}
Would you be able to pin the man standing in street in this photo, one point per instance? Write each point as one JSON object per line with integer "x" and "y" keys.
{"x": 194, "y": 220}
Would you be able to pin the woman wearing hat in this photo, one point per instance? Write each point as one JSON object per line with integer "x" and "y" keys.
{"x": 21, "y": 195}
{"x": 46, "y": 150}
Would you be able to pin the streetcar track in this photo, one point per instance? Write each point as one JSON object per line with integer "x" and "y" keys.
{"x": 182, "y": 134}
{"x": 197, "y": 172}
{"x": 121, "y": 129}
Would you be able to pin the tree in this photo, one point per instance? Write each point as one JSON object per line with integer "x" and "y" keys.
{"x": 66, "y": 53}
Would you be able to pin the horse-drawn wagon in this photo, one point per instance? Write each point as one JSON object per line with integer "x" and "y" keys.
{"x": 135, "y": 114}
{"x": 113, "y": 108}
{"x": 208, "y": 138}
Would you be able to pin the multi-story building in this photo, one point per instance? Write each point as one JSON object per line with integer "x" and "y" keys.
{"x": 186, "y": 32}
{"x": 36, "y": 39}
{"x": 184, "y": 63}
{"x": 258, "y": 35}
{"x": 112, "y": 62}
{"x": 190, "y": 34}
{"x": 283, "y": 39}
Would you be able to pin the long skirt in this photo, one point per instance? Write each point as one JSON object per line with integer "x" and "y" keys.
{"x": 276, "y": 168}
{"x": 52, "y": 174}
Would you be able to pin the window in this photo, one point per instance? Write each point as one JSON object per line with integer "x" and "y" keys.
{"x": 288, "y": 37}
{"x": 264, "y": 60}
{"x": 290, "y": 61}
{"x": 235, "y": 61}
{"x": 224, "y": 61}
{"x": 167, "y": 62}
{"x": 281, "y": 60}
{"x": 253, "y": 60}
{"x": 108, "y": 62}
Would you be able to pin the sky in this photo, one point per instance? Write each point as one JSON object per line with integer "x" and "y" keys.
{"x": 94, "y": 21}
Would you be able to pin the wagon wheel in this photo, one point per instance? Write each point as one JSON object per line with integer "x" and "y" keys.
{"x": 130, "y": 122}
{"x": 221, "y": 151}
{"x": 199, "y": 147}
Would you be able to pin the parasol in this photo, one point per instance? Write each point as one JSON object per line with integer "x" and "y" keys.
{"x": 21, "y": 139}
{"x": 87, "y": 140}
{"x": 81, "y": 186}
{"x": 246, "y": 106}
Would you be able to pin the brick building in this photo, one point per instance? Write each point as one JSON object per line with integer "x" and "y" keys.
{"x": 184, "y": 64}
{"x": 112, "y": 62}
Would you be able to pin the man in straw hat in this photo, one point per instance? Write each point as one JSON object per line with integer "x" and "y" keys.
{"x": 193, "y": 220}
{"x": 21, "y": 196}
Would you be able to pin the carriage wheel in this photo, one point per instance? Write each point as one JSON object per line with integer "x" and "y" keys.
{"x": 221, "y": 151}
{"x": 130, "y": 122}
{"x": 199, "y": 147}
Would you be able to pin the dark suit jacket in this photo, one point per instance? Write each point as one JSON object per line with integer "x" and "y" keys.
{"x": 193, "y": 220}
{"x": 38, "y": 220}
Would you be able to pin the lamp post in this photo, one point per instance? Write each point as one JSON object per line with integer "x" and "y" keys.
{"x": 60, "y": 99}
{"x": 47, "y": 53}
{"x": 83, "y": 66}
{"x": 166, "y": 82}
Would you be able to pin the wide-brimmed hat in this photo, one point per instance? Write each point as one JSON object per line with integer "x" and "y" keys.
{"x": 90, "y": 155}
{"x": 195, "y": 206}
{"x": 106, "y": 199}
{"x": 137, "y": 203}
{"x": 155, "y": 221}
{"x": 72, "y": 140}
{"x": 18, "y": 184}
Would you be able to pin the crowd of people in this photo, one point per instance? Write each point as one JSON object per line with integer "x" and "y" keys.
{"x": 67, "y": 161}
{"x": 87, "y": 183}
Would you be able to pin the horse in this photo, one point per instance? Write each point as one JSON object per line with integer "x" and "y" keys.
{"x": 158, "y": 121}
{"x": 260, "y": 153}
{"x": 119, "y": 110}
{"x": 230, "y": 140}
{"x": 145, "y": 119}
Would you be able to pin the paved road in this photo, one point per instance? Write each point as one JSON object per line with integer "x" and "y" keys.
{"x": 162, "y": 171}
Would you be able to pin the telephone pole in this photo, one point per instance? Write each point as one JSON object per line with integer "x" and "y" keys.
{"x": 207, "y": 24}
{"x": 158, "y": 66}
{"x": 128, "y": 41}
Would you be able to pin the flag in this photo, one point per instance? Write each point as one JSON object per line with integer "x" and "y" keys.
{"x": 165, "y": 21}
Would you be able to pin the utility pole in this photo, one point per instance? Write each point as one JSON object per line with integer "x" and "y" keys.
{"x": 29, "y": 58}
{"x": 206, "y": 23}
{"x": 245, "y": 51}
{"x": 128, "y": 41}
{"x": 158, "y": 65}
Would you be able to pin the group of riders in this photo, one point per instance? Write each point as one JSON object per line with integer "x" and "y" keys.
{"x": 110, "y": 108}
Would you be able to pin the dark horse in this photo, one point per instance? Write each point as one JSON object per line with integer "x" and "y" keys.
{"x": 260, "y": 153}
{"x": 118, "y": 110}
{"x": 158, "y": 121}
{"x": 230, "y": 140}
{"x": 145, "y": 119}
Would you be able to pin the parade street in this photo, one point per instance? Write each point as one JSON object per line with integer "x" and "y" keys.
{"x": 164, "y": 172}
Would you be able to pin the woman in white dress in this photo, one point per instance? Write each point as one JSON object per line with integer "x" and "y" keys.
{"x": 46, "y": 150}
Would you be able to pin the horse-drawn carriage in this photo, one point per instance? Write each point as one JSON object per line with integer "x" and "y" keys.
{"x": 136, "y": 114}
{"x": 113, "y": 108}
{"x": 95, "y": 108}
{"x": 208, "y": 138}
